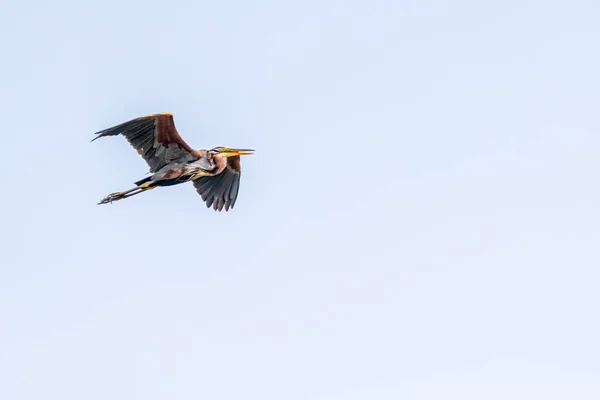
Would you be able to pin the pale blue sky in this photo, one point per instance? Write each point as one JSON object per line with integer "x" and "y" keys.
{"x": 420, "y": 220}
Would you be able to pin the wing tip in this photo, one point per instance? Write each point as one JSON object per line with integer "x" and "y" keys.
{"x": 98, "y": 134}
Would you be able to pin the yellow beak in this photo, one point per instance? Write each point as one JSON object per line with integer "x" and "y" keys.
{"x": 240, "y": 152}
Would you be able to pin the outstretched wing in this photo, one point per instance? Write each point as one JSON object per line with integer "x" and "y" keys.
{"x": 221, "y": 190}
{"x": 155, "y": 138}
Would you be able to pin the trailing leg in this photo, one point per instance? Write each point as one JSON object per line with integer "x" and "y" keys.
{"x": 146, "y": 185}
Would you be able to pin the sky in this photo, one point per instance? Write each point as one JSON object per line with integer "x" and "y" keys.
{"x": 420, "y": 219}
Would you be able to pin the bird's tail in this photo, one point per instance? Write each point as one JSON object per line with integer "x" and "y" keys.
{"x": 142, "y": 181}
{"x": 140, "y": 186}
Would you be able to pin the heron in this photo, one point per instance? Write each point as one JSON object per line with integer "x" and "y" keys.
{"x": 215, "y": 173}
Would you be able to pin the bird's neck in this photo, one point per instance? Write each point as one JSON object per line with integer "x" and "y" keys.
{"x": 220, "y": 161}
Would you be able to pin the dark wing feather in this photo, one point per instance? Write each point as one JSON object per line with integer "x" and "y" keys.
{"x": 221, "y": 191}
{"x": 155, "y": 138}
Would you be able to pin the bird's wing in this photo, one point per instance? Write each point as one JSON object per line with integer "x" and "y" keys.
{"x": 155, "y": 138}
{"x": 221, "y": 190}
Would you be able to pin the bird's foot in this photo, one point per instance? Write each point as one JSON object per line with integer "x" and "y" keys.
{"x": 111, "y": 197}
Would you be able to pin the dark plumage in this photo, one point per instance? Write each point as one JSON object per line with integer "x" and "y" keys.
{"x": 215, "y": 173}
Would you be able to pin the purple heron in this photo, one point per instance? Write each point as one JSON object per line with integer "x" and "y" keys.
{"x": 215, "y": 173}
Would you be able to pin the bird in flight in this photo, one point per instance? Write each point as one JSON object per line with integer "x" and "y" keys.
{"x": 215, "y": 173}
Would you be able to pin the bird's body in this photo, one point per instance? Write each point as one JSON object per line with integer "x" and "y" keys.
{"x": 215, "y": 173}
